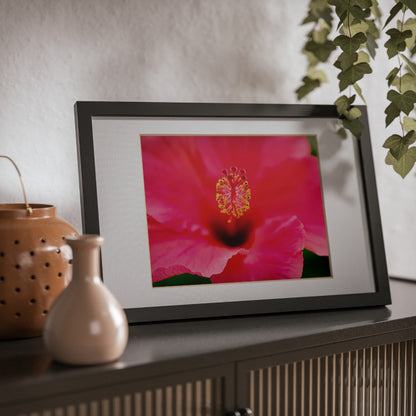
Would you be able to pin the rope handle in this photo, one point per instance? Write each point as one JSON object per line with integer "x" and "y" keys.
{"x": 28, "y": 208}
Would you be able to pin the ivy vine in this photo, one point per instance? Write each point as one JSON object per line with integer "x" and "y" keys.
{"x": 318, "y": 47}
{"x": 402, "y": 96}
{"x": 357, "y": 32}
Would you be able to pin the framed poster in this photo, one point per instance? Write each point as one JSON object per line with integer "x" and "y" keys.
{"x": 214, "y": 210}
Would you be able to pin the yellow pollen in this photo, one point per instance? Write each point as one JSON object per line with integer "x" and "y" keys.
{"x": 233, "y": 193}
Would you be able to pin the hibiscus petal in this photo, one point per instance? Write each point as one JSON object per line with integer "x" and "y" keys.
{"x": 275, "y": 254}
{"x": 255, "y": 154}
{"x": 177, "y": 188}
{"x": 294, "y": 188}
{"x": 172, "y": 251}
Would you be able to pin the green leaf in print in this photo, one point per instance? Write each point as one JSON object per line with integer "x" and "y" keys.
{"x": 182, "y": 280}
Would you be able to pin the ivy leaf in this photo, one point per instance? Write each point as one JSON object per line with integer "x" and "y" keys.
{"x": 409, "y": 124}
{"x": 405, "y": 164}
{"x": 364, "y": 4}
{"x": 392, "y": 75}
{"x": 394, "y": 143}
{"x": 322, "y": 51}
{"x": 342, "y": 17}
{"x": 344, "y": 109}
{"x": 410, "y": 24}
{"x": 406, "y": 82}
{"x": 359, "y": 13}
{"x": 317, "y": 74}
{"x": 321, "y": 36}
{"x": 398, "y": 145}
{"x": 326, "y": 16}
{"x": 308, "y": 86}
{"x": 354, "y": 113}
{"x": 315, "y": 10}
{"x": 411, "y": 4}
{"x": 343, "y": 103}
{"x": 312, "y": 59}
{"x": 404, "y": 102}
{"x": 371, "y": 45}
{"x": 358, "y": 8}
{"x": 372, "y": 34}
{"x": 393, "y": 12}
{"x": 409, "y": 63}
{"x": 375, "y": 10}
{"x": 350, "y": 45}
{"x": 310, "y": 18}
{"x": 346, "y": 60}
{"x": 410, "y": 137}
{"x": 354, "y": 126}
{"x": 397, "y": 41}
{"x": 319, "y": 9}
{"x": 363, "y": 57}
{"x": 352, "y": 29}
{"x": 392, "y": 112}
{"x": 353, "y": 74}
{"x": 372, "y": 28}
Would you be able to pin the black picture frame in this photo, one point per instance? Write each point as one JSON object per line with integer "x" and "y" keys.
{"x": 87, "y": 112}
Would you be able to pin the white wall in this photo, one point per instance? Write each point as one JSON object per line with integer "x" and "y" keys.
{"x": 56, "y": 52}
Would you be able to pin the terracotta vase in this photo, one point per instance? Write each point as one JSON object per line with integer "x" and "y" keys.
{"x": 35, "y": 266}
{"x": 86, "y": 325}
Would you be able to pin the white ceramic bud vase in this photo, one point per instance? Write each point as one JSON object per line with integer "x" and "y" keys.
{"x": 86, "y": 324}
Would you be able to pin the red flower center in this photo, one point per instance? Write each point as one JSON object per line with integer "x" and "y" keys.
{"x": 233, "y": 198}
{"x": 233, "y": 193}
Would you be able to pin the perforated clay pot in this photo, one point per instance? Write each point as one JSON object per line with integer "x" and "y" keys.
{"x": 35, "y": 266}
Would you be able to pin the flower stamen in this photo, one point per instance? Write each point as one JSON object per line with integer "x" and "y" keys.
{"x": 233, "y": 193}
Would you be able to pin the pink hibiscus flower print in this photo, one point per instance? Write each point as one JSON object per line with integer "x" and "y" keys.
{"x": 223, "y": 209}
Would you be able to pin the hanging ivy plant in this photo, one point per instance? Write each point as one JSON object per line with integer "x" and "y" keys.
{"x": 358, "y": 26}
{"x": 318, "y": 47}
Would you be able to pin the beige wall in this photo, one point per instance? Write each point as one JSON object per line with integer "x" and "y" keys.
{"x": 56, "y": 52}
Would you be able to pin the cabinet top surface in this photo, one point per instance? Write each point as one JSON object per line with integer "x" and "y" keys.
{"x": 174, "y": 346}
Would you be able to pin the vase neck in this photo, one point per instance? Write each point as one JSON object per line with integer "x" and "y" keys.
{"x": 86, "y": 256}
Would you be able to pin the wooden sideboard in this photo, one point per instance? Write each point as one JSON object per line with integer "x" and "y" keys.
{"x": 340, "y": 362}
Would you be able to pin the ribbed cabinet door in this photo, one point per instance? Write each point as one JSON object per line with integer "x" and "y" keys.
{"x": 374, "y": 381}
{"x": 204, "y": 392}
